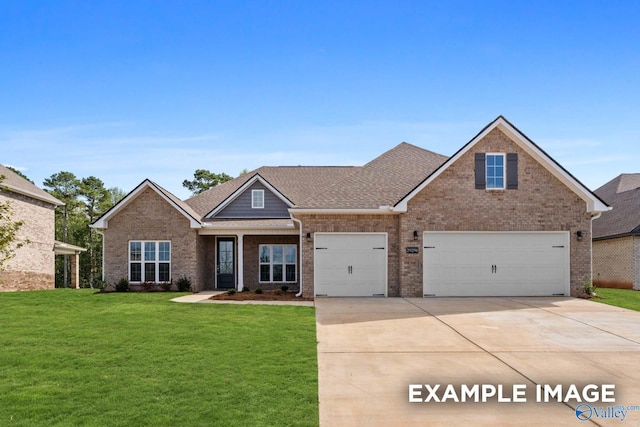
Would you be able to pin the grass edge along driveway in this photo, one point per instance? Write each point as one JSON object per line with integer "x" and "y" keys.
{"x": 625, "y": 298}
{"x": 73, "y": 357}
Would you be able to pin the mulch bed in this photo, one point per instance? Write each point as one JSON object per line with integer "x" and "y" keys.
{"x": 276, "y": 295}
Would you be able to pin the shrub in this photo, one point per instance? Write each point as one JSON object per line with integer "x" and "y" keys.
{"x": 258, "y": 290}
{"x": 148, "y": 286}
{"x": 284, "y": 288}
{"x": 245, "y": 289}
{"x": 231, "y": 291}
{"x": 184, "y": 284}
{"x": 122, "y": 285}
{"x": 589, "y": 288}
{"x": 166, "y": 286}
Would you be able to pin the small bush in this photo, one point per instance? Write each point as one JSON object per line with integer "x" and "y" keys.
{"x": 184, "y": 284}
{"x": 245, "y": 289}
{"x": 284, "y": 288}
{"x": 148, "y": 286}
{"x": 122, "y": 285}
{"x": 258, "y": 290}
{"x": 166, "y": 286}
{"x": 231, "y": 291}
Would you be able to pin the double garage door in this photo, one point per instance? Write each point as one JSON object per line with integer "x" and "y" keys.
{"x": 496, "y": 264}
{"x": 454, "y": 264}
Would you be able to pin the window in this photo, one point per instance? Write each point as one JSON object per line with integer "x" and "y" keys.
{"x": 495, "y": 171}
{"x": 149, "y": 261}
{"x": 278, "y": 263}
{"x": 257, "y": 199}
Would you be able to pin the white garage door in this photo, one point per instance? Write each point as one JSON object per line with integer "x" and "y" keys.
{"x": 496, "y": 264}
{"x": 350, "y": 264}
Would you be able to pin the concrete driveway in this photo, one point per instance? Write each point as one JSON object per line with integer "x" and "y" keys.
{"x": 371, "y": 349}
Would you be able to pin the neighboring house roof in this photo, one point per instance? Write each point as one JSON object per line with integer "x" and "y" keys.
{"x": 17, "y": 184}
{"x": 61, "y": 248}
{"x": 594, "y": 203}
{"x": 623, "y": 194}
{"x": 182, "y": 207}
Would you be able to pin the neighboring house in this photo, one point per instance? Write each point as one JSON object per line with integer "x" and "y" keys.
{"x": 33, "y": 265}
{"x": 499, "y": 217}
{"x": 616, "y": 234}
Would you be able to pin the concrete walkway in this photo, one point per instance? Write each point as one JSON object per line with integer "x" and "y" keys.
{"x": 203, "y": 297}
{"x": 371, "y": 349}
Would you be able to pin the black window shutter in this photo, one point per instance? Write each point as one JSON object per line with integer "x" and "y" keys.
{"x": 512, "y": 171}
{"x": 481, "y": 180}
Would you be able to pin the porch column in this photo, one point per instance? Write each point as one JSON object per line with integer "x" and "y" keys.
{"x": 240, "y": 261}
{"x": 75, "y": 271}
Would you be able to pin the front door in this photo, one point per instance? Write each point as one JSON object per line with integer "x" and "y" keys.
{"x": 226, "y": 277}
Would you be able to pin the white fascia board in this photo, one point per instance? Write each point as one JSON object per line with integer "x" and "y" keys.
{"x": 594, "y": 205}
{"x": 267, "y": 231}
{"x": 242, "y": 189}
{"x": 381, "y": 211}
{"x": 103, "y": 222}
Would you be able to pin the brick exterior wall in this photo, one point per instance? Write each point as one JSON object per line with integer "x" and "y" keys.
{"x": 616, "y": 260}
{"x": 34, "y": 263}
{"x": 451, "y": 203}
{"x": 150, "y": 217}
{"x": 350, "y": 224}
{"x": 636, "y": 263}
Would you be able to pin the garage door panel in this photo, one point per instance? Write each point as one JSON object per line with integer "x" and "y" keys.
{"x": 495, "y": 264}
{"x": 350, "y": 264}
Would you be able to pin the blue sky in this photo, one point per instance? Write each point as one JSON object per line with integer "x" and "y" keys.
{"x": 127, "y": 90}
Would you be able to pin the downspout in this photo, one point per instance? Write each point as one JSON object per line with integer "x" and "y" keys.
{"x": 593, "y": 217}
{"x": 299, "y": 294}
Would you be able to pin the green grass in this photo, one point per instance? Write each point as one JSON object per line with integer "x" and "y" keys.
{"x": 625, "y": 298}
{"x": 75, "y": 358}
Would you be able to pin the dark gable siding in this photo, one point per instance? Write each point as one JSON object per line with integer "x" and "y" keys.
{"x": 241, "y": 206}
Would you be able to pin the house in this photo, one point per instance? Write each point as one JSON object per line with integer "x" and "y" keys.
{"x": 33, "y": 265}
{"x": 616, "y": 234}
{"x": 499, "y": 217}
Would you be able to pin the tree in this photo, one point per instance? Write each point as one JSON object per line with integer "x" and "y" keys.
{"x": 65, "y": 187}
{"x": 204, "y": 180}
{"x": 96, "y": 202}
{"x": 8, "y": 233}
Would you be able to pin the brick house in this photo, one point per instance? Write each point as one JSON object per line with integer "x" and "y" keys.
{"x": 33, "y": 265}
{"x": 499, "y": 217}
{"x": 616, "y": 234}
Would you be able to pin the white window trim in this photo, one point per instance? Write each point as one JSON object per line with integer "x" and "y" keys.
{"x": 253, "y": 199}
{"x": 504, "y": 172}
{"x": 271, "y": 264}
{"x": 142, "y": 261}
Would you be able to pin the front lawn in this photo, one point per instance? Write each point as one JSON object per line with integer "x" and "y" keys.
{"x": 72, "y": 357}
{"x": 619, "y": 297}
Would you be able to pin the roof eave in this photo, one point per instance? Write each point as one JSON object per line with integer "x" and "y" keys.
{"x": 50, "y": 200}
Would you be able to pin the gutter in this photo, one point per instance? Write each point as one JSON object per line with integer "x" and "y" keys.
{"x": 299, "y": 294}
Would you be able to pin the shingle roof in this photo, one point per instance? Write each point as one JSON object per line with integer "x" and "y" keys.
{"x": 16, "y": 183}
{"x": 623, "y": 194}
{"x": 383, "y": 181}
{"x": 294, "y": 182}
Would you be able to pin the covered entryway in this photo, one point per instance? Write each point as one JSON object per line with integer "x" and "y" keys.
{"x": 350, "y": 264}
{"x": 495, "y": 263}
